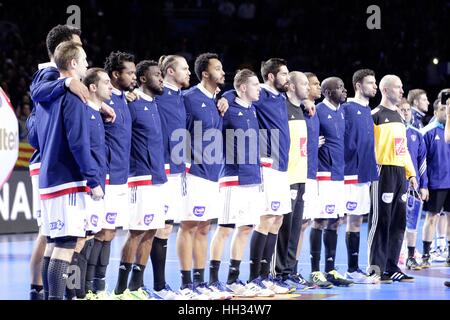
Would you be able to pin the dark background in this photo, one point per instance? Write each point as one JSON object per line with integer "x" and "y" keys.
{"x": 326, "y": 37}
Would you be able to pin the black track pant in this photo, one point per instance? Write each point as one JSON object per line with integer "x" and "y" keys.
{"x": 387, "y": 221}
{"x": 287, "y": 241}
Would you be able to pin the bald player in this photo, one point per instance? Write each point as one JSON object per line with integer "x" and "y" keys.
{"x": 387, "y": 222}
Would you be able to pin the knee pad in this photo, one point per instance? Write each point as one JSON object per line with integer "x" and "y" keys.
{"x": 66, "y": 242}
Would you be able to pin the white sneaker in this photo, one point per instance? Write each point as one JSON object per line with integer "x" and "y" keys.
{"x": 259, "y": 289}
{"x": 205, "y": 290}
{"x": 240, "y": 290}
{"x": 221, "y": 290}
{"x": 436, "y": 256}
{"x": 189, "y": 293}
{"x": 359, "y": 276}
{"x": 276, "y": 287}
{"x": 167, "y": 294}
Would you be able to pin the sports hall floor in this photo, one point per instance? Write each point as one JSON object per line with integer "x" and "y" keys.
{"x": 15, "y": 253}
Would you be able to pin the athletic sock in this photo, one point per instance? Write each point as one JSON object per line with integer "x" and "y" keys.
{"x": 158, "y": 257}
{"x": 233, "y": 271}
{"x": 257, "y": 244}
{"x": 315, "y": 240}
{"x": 214, "y": 266}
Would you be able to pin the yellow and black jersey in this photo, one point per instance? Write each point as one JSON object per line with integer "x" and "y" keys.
{"x": 298, "y": 160}
{"x": 390, "y": 140}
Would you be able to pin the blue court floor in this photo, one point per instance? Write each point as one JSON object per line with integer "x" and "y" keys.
{"x": 15, "y": 253}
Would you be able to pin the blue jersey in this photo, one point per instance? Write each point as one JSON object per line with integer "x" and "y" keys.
{"x": 147, "y": 151}
{"x": 64, "y": 142}
{"x": 173, "y": 118}
{"x": 118, "y": 140}
{"x": 97, "y": 142}
{"x": 204, "y": 124}
{"x": 312, "y": 145}
{"x": 418, "y": 153}
{"x": 331, "y": 154}
{"x": 44, "y": 87}
{"x": 242, "y": 166}
{"x": 359, "y": 143}
{"x": 438, "y": 156}
{"x": 274, "y": 127}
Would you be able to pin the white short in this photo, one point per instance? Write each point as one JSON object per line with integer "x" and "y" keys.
{"x": 202, "y": 199}
{"x": 175, "y": 196}
{"x": 36, "y": 199}
{"x": 147, "y": 206}
{"x": 357, "y": 199}
{"x": 242, "y": 205}
{"x": 65, "y": 216}
{"x": 311, "y": 198}
{"x": 277, "y": 192}
{"x": 331, "y": 197}
{"x": 95, "y": 210}
{"x": 116, "y": 207}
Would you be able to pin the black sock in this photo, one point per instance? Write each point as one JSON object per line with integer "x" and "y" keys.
{"x": 137, "y": 277}
{"x": 158, "y": 257}
{"x": 83, "y": 258}
{"x": 295, "y": 270}
{"x": 57, "y": 273}
{"x": 92, "y": 264}
{"x": 411, "y": 251}
{"x": 102, "y": 265}
{"x": 426, "y": 247}
{"x": 214, "y": 266}
{"x": 122, "y": 281}
{"x": 198, "y": 275}
{"x": 233, "y": 271}
{"x": 352, "y": 241}
{"x": 330, "y": 243}
{"x": 186, "y": 278}
{"x": 45, "y": 263}
{"x": 70, "y": 285}
{"x": 269, "y": 249}
{"x": 315, "y": 240}
{"x": 257, "y": 244}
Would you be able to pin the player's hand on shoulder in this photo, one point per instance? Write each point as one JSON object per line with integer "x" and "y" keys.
{"x": 79, "y": 89}
{"x": 108, "y": 113}
{"x": 132, "y": 96}
{"x": 222, "y": 106}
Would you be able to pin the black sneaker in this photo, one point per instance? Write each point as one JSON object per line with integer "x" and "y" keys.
{"x": 385, "y": 279}
{"x": 399, "y": 276}
{"x": 425, "y": 261}
{"x": 447, "y": 284}
{"x": 338, "y": 280}
{"x": 411, "y": 264}
{"x": 305, "y": 282}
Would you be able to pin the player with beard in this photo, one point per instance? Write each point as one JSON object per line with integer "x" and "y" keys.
{"x": 146, "y": 181}
{"x": 274, "y": 146}
{"x": 121, "y": 70}
{"x": 360, "y": 167}
{"x": 202, "y": 186}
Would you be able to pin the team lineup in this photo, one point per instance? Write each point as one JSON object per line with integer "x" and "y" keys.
{"x": 131, "y": 146}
